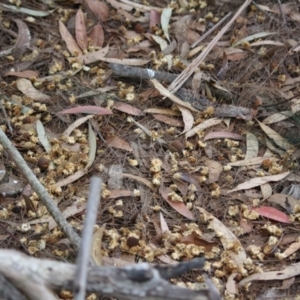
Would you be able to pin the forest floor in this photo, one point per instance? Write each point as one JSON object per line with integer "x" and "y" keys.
{"x": 206, "y": 164}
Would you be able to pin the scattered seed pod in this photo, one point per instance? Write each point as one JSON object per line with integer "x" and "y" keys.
{"x": 43, "y": 163}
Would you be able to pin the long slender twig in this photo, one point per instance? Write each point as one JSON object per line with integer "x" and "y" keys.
{"x": 210, "y": 31}
{"x": 183, "y": 77}
{"x": 86, "y": 241}
{"x": 40, "y": 190}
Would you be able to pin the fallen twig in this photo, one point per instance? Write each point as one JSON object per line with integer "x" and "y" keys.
{"x": 188, "y": 71}
{"x": 199, "y": 102}
{"x": 87, "y": 235}
{"x": 141, "y": 281}
{"x": 40, "y": 190}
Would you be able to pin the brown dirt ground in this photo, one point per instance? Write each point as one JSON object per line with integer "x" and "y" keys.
{"x": 264, "y": 72}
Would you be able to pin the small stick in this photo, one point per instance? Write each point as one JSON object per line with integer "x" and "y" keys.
{"x": 80, "y": 280}
{"x": 184, "y": 76}
{"x": 282, "y": 13}
{"x": 6, "y": 117}
{"x": 40, "y": 190}
{"x": 206, "y": 34}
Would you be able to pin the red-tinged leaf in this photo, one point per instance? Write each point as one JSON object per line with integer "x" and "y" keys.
{"x": 178, "y": 206}
{"x": 88, "y": 109}
{"x": 80, "y": 30}
{"x": 99, "y": 9}
{"x": 126, "y": 108}
{"x": 223, "y": 135}
{"x": 23, "y": 74}
{"x": 154, "y": 18}
{"x": 168, "y": 120}
{"x": 69, "y": 40}
{"x": 272, "y": 213}
{"x": 116, "y": 142}
{"x": 97, "y": 35}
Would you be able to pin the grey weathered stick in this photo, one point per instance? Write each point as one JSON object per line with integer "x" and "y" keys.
{"x": 40, "y": 190}
{"x": 111, "y": 281}
{"x": 86, "y": 240}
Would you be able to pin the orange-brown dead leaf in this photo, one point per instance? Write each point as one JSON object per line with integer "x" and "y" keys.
{"x": 80, "y": 30}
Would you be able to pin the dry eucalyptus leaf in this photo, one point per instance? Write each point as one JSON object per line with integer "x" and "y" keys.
{"x": 42, "y": 136}
{"x": 115, "y": 177}
{"x": 92, "y": 146}
{"x": 227, "y": 237}
{"x": 214, "y": 170}
{"x": 69, "y": 40}
{"x": 252, "y": 146}
{"x": 80, "y": 30}
{"x": 26, "y": 87}
{"x": 290, "y": 271}
{"x": 96, "y": 251}
{"x": 257, "y": 181}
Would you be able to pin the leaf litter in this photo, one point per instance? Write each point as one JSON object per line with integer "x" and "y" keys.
{"x": 226, "y": 192}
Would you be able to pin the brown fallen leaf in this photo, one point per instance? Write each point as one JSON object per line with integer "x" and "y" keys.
{"x": 87, "y": 109}
{"x": 80, "y": 30}
{"x": 120, "y": 193}
{"x": 187, "y": 117}
{"x": 22, "y": 74}
{"x": 116, "y": 142}
{"x": 77, "y": 207}
{"x": 285, "y": 201}
{"x": 180, "y": 207}
{"x": 164, "y": 92}
{"x": 96, "y": 251}
{"x": 163, "y": 111}
{"x": 276, "y": 137}
{"x": 251, "y": 161}
{"x": 96, "y": 35}
{"x": 290, "y": 271}
{"x": 139, "y": 179}
{"x": 76, "y": 124}
{"x": 231, "y": 285}
{"x": 257, "y": 181}
{"x": 294, "y": 247}
{"x": 252, "y": 146}
{"x": 206, "y": 124}
{"x": 99, "y": 8}
{"x": 163, "y": 224}
{"x": 266, "y": 190}
{"x": 26, "y": 87}
{"x": 287, "y": 283}
{"x": 223, "y": 135}
{"x": 214, "y": 170}
{"x": 92, "y": 146}
{"x": 126, "y": 108}
{"x": 168, "y": 120}
{"x": 95, "y": 56}
{"x": 227, "y": 238}
{"x": 24, "y": 36}
{"x": 69, "y": 40}
{"x": 71, "y": 178}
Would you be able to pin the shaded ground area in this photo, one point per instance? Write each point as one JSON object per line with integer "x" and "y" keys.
{"x": 213, "y": 172}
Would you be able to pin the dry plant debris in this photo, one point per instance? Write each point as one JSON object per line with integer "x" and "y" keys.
{"x": 188, "y": 111}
